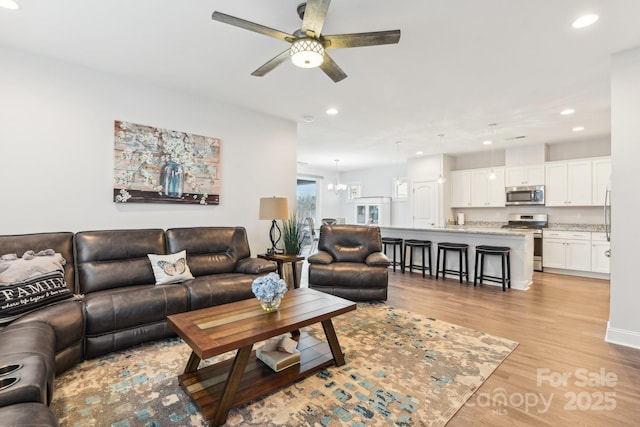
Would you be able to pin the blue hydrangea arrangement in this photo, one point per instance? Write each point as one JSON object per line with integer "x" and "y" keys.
{"x": 268, "y": 287}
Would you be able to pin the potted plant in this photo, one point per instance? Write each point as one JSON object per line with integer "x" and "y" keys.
{"x": 292, "y": 234}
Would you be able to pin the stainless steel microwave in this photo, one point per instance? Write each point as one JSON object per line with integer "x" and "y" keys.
{"x": 526, "y": 195}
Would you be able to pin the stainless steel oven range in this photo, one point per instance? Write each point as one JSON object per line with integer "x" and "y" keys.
{"x": 534, "y": 222}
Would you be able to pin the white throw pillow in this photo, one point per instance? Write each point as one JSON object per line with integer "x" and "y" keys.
{"x": 170, "y": 268}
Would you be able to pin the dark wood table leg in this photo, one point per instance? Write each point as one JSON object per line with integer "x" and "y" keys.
{"x": 231, "y": 386}
{"x": 332, "y": 339}
{"x": 296, "y": 285}
{"x": 280, "y": 269}
{"x": 193, "y": 363}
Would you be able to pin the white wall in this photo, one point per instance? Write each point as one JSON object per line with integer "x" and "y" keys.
{"x": 624, "y": 318}
{"x": 56, "y": 143}
{"x": 524, "y": 155}
{"x": 479, "y": 159}
{"x": 377, "y": 182}
{"x": 597, "y": 147}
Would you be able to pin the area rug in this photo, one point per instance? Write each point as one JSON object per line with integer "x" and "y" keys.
{"x": 401, "y": 369}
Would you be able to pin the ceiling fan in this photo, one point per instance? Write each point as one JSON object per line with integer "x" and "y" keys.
{"x": 308, "y": 45}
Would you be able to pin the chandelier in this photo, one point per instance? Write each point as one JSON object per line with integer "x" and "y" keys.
{"x": 336, "y": 186}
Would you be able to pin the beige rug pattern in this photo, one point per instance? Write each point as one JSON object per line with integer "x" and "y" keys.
{"x": 402, "y": 369}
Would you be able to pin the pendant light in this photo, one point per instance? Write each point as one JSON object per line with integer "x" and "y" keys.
{"x": 398, "y": 179}
{"x": 441, "y": 178}
{"x": 336, "y": 186}
{"x": 492, "y": 174}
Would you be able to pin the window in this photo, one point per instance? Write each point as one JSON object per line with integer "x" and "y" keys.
{"x": 306, "y": 200}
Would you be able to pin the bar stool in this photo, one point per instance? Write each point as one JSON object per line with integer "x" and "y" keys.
{"x": 505, "y": 253}
{"x": 395, "y": 242}
{"x": 411, "y": 244}
{"x": 461, "y": 249}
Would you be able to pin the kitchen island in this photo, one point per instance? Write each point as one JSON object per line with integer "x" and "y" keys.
{"x": 520, "y": 242}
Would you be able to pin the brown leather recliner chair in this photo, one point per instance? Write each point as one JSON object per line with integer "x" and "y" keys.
{"x": 350, "y": 263}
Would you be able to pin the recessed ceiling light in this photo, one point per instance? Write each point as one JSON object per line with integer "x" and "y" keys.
{"x": 487, "y": 142}
{"x": 567, "y": 112}
{"x": 578, "y": 128}
{"x": 585, "y": 20}
{"x": 332, "y": 111}
{"x": 419, "y": 153}
{"x": 9, "y": 4}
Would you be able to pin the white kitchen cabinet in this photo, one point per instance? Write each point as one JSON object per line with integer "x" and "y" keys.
{"x": 487, "y": 192}
{"x": 601, "y": 174}
{"x": 524, "y": 175}
{"x": 600, "y": 248}
{"x": 460, "y": 189}
{"x": 570, "y": 250}
{"x": 568, "y": 183}
{"x": 373, "y": 211}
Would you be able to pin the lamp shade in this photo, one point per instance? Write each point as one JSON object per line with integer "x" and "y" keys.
{"x": 274, "y": 208}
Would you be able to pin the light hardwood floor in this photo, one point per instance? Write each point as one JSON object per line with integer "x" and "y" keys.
{"x": 562, "y": 372}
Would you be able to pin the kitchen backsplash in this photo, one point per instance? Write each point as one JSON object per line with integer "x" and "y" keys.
{"x": 552, "y": 225}
{"x": 569, "y": 216}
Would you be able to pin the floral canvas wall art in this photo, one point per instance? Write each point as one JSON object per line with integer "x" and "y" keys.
{"x": 154, "y": 165}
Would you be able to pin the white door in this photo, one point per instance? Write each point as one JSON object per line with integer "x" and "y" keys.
{"x": 425, "y": 203}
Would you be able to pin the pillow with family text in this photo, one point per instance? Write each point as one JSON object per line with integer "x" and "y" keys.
{"x": 22, "y": 297}
{"x": 171, "y": 268}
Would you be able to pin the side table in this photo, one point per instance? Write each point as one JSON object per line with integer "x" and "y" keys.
{"x": 281, "y": 259}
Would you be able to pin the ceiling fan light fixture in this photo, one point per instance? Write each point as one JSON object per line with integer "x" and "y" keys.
{"x": 307, "y": 53}
{"x": 585, "y": 20}
{"x": 9, "y": 4}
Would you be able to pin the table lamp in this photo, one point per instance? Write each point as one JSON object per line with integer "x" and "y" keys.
{"x": 274, "y": 208}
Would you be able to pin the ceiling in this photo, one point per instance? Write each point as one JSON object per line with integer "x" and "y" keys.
{"x": 460, "y": 66}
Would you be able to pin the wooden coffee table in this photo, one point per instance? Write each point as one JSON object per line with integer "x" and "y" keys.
{"x": 237, "y": 326}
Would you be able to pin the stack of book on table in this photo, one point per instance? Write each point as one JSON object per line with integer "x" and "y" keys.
{"x": 279, "y": 352}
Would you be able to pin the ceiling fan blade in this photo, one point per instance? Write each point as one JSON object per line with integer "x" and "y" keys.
{"x": 314, "y": 13}
{"x": 271, "y": 64}
{"x": 340, "y": 41}
{"x": 332, "y": 69}
{"x": 252, "y": 26}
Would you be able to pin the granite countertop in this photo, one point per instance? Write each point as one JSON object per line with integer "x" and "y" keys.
{"x": 467, "y": 229}
{"x": 598, "y": 228}
{"x": 487, "y": 227}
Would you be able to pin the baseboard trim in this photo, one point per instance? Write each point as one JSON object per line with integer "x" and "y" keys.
{"x": 577, "y": 273}
{"x": 622, "y": 337}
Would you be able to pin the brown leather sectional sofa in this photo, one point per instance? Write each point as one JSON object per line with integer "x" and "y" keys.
{"x": 120, "y": 304}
